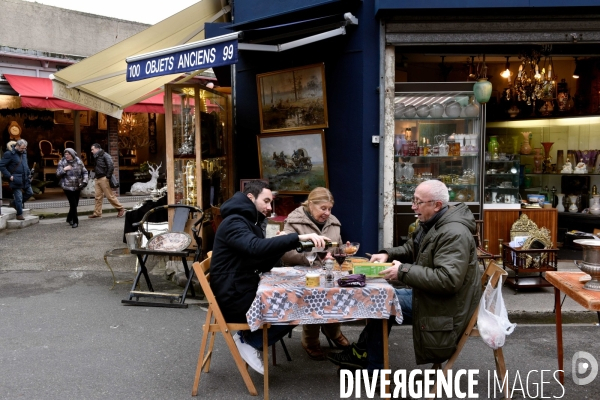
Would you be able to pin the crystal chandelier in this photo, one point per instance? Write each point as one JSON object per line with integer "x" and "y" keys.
{"x": 531, "y": 84}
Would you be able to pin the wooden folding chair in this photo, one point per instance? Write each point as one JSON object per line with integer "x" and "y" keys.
{"x": 492, "y": 273}
{"x": 215, "y": 322}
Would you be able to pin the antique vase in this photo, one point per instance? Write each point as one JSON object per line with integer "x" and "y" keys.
{"x": 525, "y": 146}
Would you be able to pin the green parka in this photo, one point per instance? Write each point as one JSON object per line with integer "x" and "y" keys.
{"x": 446, "y": 283}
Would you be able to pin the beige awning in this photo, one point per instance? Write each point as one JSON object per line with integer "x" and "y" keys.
{"x": 98, "y": 82}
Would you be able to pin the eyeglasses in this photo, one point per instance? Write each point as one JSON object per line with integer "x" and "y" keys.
{"x": 417, "y": 203}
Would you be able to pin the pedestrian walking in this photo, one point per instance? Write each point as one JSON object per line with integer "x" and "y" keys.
{"x": 102, "y": 173}
{"x": 14, "y": 167}
{"x": 73, "y": 178}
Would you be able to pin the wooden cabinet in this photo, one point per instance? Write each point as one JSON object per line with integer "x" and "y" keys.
{"x": 198, "y": 146}
{"x": 497, "y": 224}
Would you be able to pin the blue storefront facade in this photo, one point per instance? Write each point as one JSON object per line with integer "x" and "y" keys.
{"x": 356, "y": 74}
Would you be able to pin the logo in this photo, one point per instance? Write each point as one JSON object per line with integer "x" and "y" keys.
{"x": 583, "y": 363}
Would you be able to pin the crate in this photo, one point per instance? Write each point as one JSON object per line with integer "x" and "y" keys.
{"x": 528, "y": 266}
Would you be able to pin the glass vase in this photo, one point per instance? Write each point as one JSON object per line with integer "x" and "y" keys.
{"x": 525, "y": 146}
{"x": 493, "y": 148}
{"x": 537, "y": 160}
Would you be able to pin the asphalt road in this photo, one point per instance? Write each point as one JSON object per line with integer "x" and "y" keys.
{"x": 65, "y": 335}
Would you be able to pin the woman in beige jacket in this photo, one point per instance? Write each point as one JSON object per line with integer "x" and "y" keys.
{"x": 314, "y": 215}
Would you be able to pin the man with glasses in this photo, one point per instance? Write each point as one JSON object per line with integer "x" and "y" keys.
{"x": 14, "y": 168}
{"x": 439, "y": 265}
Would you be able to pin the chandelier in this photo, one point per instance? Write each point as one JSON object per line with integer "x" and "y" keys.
{"x": 132, "y": 132}
{"x": 533, "y": 84}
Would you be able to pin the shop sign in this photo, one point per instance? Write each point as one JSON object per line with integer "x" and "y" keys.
{"x": 180, "y": 59}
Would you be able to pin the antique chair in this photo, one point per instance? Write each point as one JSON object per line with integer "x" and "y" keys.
{"x": 69, "y": 143}
{"x": 214, "y": 323}
{"x": 482, "y": 254}
{"x": 182, "y": 215}
{"x": 492, "y": 274}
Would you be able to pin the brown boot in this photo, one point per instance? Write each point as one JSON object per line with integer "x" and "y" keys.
{"x": 315, "y": 352}
{"x": 341, "y": 342}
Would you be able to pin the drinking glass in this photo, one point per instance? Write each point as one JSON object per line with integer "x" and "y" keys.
{"x": 311, "y": 257}
{"x": 352, "y": 248}
{"x": 339, "y": 253}
{"x": 321, "y": 254}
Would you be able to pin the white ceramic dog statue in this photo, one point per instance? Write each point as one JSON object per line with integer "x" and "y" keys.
{"x": 142, "y": 188}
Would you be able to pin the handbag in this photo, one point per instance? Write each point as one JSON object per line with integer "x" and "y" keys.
{"x": 113, "y": 182}
{"x": 353, "y": 280}
{"x": 492, "y": 320}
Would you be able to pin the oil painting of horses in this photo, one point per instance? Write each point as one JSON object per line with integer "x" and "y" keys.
{"x": 293, "y": 162}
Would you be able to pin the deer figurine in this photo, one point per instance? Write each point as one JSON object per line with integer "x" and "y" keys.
{"x": 146, "y": 187}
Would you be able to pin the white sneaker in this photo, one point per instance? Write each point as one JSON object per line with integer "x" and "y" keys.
{"x": 252, "y": 356}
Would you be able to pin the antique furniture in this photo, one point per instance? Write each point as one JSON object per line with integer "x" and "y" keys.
{"x": 198, "y": 148}
{"x": 182, "y": 214}
{"x": 438, "y": 142}
{"x": 497, "y": 224}
{"x": 49, "y": 154}
{"x": 570, "y": 283}
{"x": 493, "y": 273}
{"x": 533, "y": 258}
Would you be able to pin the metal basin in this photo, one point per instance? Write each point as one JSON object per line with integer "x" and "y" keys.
{"x": 591, "y": 262}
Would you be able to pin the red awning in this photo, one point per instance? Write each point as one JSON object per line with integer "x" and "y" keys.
{"x": 37, "y": 93}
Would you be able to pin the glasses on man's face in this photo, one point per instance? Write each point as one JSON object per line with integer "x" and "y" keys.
{"x": 418, "y": 203}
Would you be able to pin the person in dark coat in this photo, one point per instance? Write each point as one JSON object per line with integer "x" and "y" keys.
{"x": 73, "y": 177}
{"x": 14, "y": 167}
{"x": 240, "y": 253}
{"x": 439, "y": 264}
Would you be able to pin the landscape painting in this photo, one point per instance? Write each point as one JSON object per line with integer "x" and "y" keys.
{"x": 293, "y": 162}
{"x": 292, "y": 99}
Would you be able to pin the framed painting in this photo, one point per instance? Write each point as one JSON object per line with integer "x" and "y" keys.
{"x": 292, "y": 99}
{"x": 102, "y": 122}
{"x": 66, "y": 117}
{"x": 243, "y": 182}
{"x": 294, "y": 163}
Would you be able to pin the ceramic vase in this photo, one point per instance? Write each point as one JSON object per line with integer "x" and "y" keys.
{"x": 560, "y": 207}
{"x": 525, "y": 146}
{"x": 537, "y": 160}
{"x": 482, "y": 89}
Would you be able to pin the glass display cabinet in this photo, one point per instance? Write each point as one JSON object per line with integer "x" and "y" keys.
{"x": 198, "y": 148}
{"x": 501, "y": 182}
{"x": 437, "y": 136}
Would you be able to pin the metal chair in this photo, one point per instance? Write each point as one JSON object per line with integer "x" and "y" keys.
{"x": 183, "y": 214}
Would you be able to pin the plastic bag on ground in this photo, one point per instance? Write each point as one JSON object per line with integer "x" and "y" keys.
{"x": 492, "y": 320}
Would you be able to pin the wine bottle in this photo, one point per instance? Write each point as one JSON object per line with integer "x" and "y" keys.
{"x": 307, "y": 245}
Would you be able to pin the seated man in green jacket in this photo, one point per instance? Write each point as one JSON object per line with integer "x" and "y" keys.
{"x": 439, "y": 263}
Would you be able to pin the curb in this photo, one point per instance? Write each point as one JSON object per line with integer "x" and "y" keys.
{"x": 549, "y": 317}
{"x": 44, "y": 214}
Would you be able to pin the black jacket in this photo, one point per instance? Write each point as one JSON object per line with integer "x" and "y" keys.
{"x": 104, "y": 165}
{"x": 240, "y": 253}
{"x": 14, "y": 164}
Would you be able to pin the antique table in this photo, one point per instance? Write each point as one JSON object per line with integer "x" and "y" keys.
{"x": 569, "y": 284}
{"x": 283, "y": 298}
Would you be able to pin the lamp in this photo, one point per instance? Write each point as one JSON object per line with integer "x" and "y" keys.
{"x": 506, "y": 73}
{"x": 576, "y": 72}
{"x": 482, "y": 89}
